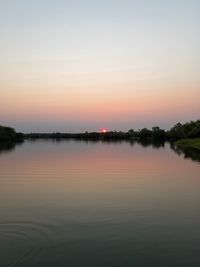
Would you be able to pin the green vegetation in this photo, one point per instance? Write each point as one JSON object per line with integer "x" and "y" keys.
{"x": 9, "y": 134}
{"x": 184, "y": 131}
{"x": 192, "y": 143}
{"x": 178, "y": 131}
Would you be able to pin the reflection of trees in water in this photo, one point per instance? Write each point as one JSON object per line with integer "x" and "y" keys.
{"x": 151, "y": 142}
{"x": 187, "y": 152}
{"x": 132, "y": 142}
{"x": 8, "y": 146}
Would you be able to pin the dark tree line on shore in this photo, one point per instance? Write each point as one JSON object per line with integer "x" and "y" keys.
{"x": 9, "y": 134}
{"x": 187, "y": 130}
{"x": 178, "y": 131}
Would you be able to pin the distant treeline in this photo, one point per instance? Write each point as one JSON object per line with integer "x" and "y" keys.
{"x": 109, "y": 135}
{"x": 178, "y": 131}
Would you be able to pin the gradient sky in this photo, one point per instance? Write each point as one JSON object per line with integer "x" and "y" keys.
{"x": 77, "y": 65}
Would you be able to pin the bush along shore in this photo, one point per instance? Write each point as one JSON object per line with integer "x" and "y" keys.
{"x": 8, "y": 134}
{"x": 192, "y": 143}
{"x": 186, "y": 134}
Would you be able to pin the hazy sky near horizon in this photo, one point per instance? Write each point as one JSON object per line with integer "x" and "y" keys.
{"x": 85, "y": 64}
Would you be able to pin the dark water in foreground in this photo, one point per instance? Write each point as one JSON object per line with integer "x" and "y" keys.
{"x": 83, "y": 204}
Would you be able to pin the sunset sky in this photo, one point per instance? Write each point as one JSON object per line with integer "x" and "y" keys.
{"x": 82, "y": 65}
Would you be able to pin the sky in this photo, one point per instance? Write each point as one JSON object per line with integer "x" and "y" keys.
{"x": 75, "y": 66}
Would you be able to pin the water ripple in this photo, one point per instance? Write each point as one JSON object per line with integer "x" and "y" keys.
{"x": 36, "y": 236}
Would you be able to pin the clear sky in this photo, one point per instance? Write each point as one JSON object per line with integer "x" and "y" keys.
{"x": 77, "y": 65}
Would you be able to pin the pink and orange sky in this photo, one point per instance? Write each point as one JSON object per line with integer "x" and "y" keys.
{"x": 84, "y": 65}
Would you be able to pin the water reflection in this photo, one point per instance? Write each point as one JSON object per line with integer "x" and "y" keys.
{"x": 9, "y": 146}
{"x": 187, "y": 152}
{"x": 68, "y": 203}
{"x": 153, "y": 143}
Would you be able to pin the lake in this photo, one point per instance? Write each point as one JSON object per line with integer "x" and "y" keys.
{"x": 98, "y": 204}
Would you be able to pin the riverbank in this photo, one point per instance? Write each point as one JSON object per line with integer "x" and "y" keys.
{"x": 192, "y": 143}
{"x": 156, "y": 135}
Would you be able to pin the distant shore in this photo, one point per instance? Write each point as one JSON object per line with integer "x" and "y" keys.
{"x": 187, "y": 134}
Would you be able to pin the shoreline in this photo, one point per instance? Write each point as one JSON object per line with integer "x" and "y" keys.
{"x": 189, "y": 143}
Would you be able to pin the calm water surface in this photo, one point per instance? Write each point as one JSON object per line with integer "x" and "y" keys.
{"x": 98, "y": 204}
